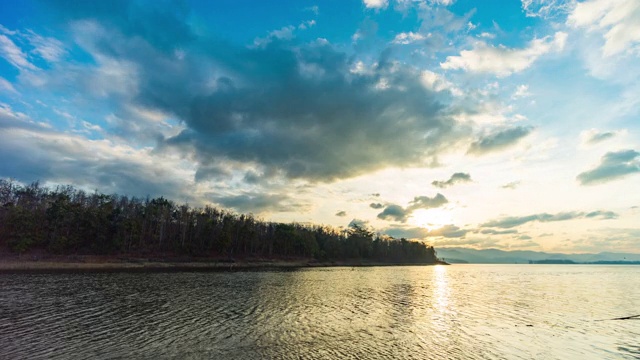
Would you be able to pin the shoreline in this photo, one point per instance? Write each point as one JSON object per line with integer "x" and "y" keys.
{"x": 101, "y": 264}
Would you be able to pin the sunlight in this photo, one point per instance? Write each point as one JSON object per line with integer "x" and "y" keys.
{"x": 431, "y": 219}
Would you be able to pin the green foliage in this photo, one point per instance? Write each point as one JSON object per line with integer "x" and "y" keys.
{"x": 66, "y": 220}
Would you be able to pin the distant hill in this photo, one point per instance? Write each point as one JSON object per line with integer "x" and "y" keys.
{"x": 495, "y": 256}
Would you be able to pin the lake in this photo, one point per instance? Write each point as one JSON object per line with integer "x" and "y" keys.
{"x": 413, "y": 312}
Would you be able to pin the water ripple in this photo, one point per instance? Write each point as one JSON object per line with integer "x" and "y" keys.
{"x": 456, "y": 312}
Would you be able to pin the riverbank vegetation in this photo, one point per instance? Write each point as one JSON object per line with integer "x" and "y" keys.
{"x": 69, "y": 221}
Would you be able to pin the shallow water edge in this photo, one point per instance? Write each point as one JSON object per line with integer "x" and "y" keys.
{"x": 143, "y": 265}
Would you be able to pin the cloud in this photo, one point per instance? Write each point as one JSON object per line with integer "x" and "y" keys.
{"x": 613, "y": 165}
{"x": 498, "y": 232}
{"x": 376, "y": 4}
{"x": 618, "y": 21}
{"x": 6, "y": 86}
{"x": 341, "y": 213}
{"x": 602, "y": 214}
{"x": 314, "y": 9}
{"x": 456, "y": 178}
{"x": 289, "y": 109}
{"x": 522, "y": 91}
{"x": 35, "y": 152}
{"x": 284, "y": 33}
{"x": 437, "y": 82}
{"x": 546, "y": 8}
{"x": 259, "y": 202}
{"x": 512, "y": 185}
{"x": 10, "y": 119}
{"x": 446, "y": 231}
{"x": 359, "y": 222}
{"x": 14, "y": 54}
{"x": 406, "y": 38}
{"x": 503, "y": 61}
{"x": 393, "y": 212}
{"x": 47, "y": 48}
{"x": 499, "y": 140}
{"x": 513, "y": 221}
{"x": 595, "y": 136}
{"x": 425, "y": 202}
{"x": 376, "y": 206}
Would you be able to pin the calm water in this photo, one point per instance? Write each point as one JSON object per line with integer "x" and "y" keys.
{"x": 432, "y": 312}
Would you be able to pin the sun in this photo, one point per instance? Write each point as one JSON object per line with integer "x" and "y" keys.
{"x": 431, "y": 219}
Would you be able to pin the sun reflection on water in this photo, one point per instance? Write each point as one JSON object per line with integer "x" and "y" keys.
{"x": 441, "y": 289}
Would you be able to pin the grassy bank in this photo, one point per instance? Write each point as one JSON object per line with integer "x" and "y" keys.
{"x": 30, "y": 264}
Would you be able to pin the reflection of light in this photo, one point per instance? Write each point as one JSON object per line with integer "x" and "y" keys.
{"x": 431, "y": 219}
{"x": 441, "y": 288}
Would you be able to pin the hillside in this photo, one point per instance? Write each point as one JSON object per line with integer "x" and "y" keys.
{"x": 495, "y": 256}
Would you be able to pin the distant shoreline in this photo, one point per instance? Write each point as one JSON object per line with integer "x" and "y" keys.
{"x": 100, "y": 264}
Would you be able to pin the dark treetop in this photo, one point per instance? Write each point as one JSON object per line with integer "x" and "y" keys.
{"x": 68, "y": 221}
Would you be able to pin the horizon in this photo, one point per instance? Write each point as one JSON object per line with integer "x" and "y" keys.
{"x": 510, "y": 126}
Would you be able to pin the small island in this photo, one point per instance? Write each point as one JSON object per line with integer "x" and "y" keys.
{"x": 68, "y": 229}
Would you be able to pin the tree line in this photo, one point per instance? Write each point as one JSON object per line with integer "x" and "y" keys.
{"x": 66, "y": 220}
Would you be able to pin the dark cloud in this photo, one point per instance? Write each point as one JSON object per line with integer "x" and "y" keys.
{"x": 602, "y": 214}
{"x": 513, "y": 221}
{"x": 359, "y": 222}
{"x": 163, "y": 25}
{"x": 341, "y": 213}
{"x": 425, "y": 202}
{"x": 456, "y": 178}
{"x": 259, "y": 203}
{"x": 376, "y": 206}
{"x": 613, "y": 165}
{"x": 512, "y": 185}
{"x": 600, "y": 136}
{"x": 297, "y": 109}
{"x": 54, "y": 157}
{"x": 393, "y": 212}
{"x": 499, "y": 140}
{"x": 209, "y": 171}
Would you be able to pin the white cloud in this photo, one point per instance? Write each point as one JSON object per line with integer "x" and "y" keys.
{"x": 522, "y": 91}
{"x": 487, "y": 35}
{"x": 405, "y": 38}
{"x": 618, "y": 20}
{"x": 545, "y": 8}
{"x": 13, "y": 54}
{"x": 438, "y": 83}
{"x": 284, "y": 33}
{"x": 404, "y": 5}
{"x": 503, "y": 61}
{"x": 306, "y": 24}
{"x": 442, "y": 2}
{"x": 6, "y": 86}
{"x": 314, "y": 9}
{"x": 376, "y": 4}
{"x": 49, "y": 49}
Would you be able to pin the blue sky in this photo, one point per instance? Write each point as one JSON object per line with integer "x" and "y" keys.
{"x": 510, "y": 124}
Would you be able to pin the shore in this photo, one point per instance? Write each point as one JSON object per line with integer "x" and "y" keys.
{"x": 24, "y": 264}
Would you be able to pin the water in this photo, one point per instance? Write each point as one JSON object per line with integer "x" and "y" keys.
{"x": 431, "y": 312}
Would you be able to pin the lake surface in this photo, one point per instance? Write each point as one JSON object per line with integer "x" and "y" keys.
{"x": 430, "y": 312}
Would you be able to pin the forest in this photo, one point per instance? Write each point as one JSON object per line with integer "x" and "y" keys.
{"x": 66, "y": 220}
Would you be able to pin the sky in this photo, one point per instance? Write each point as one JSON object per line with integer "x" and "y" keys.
{"x": 485, "y": 124}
